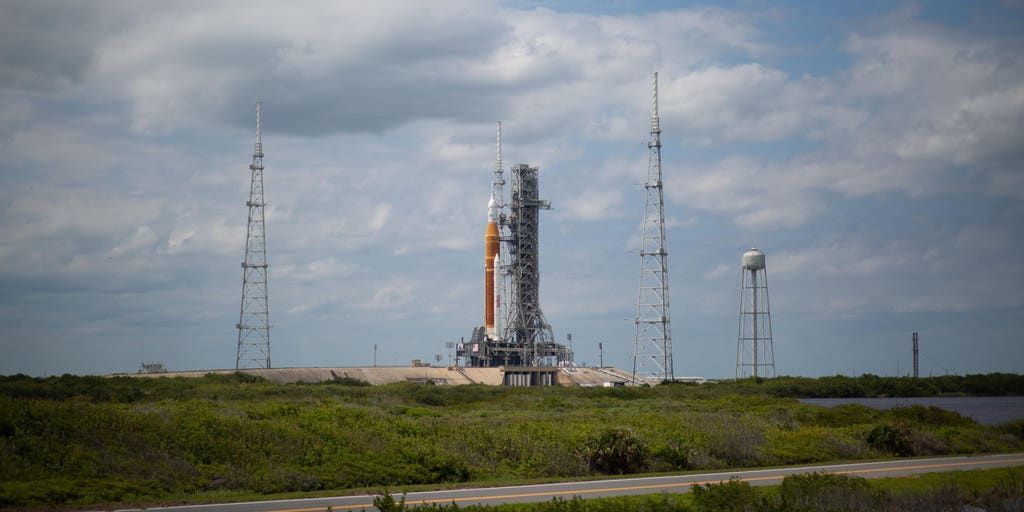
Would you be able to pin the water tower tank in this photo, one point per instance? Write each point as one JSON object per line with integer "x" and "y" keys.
{"x": 753, "y": 260}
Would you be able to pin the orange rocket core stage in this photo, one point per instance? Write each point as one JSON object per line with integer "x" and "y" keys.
{"x": 490, "y": 250}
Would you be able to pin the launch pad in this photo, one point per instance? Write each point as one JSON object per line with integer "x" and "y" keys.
{"x": 438, "y": 375}
{"x": 482, "y": 351}
{"x": 521, "y": 337}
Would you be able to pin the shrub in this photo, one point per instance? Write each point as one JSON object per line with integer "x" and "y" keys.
{"x": 930, "y": 415}
{"x": 618, "y": 451}
{"x": 732, "y": 496}
{"x": 925, "y": 443}
{"x": 893, "y": 438}
{"x": 1014, "y": 428}
{"x": 826, "y": 491}
{"x": 386, "y": 503}
{"x": 813, "y": 444}
{"x": 736, "y": 442}
{"x": 844, "y": 415}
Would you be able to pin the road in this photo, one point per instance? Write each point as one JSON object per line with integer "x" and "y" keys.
{"x": 617, "y": 487}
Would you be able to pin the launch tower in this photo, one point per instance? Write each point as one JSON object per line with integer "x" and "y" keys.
{"x": 254, "y": 319}
{"x": 652, "y": 348}
{"x": 528, "y": 329}
{"x": 515, "y": 332}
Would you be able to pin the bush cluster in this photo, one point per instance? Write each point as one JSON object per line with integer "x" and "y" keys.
{"x": 618, "y": 452}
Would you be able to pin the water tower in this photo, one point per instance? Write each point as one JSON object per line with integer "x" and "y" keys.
{"x": 755, "y": 356}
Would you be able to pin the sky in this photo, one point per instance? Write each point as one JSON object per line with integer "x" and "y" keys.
{"x": 873, "y": 150}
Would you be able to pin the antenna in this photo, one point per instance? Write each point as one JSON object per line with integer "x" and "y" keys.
{"x": 254, "y": 319}
{"x": 652, "y": 348}
{"x": 502, "y": 298}
{"x": 259, "y": 129}
{"x": 497, "y": 166}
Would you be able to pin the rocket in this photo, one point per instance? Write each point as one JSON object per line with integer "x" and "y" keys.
{"x": 490, "y": 266}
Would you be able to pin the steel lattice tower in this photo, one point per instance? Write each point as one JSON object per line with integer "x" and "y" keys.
{"x": 529, "y": 330}
{"x": 652, "y": 349}
{"x": 254, "y": 318}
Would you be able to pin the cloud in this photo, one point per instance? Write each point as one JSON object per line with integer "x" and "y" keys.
{"x": 390, "y": 297}
{"x": 947, "y": 97}
{"x": 720, "y": 270}
{"x": 748, "y": 102}
{"x": 754, "y": 195}
{"x": 594, "y": 204}
{"x": 326, "y": 269}
{"x": 851, "y": 258}
{"x": 49, "y": 46}
{"x": 139, "y": 241}
{"x": 218, "y": 236}
{"x": 884, "y": 185}
{"x": 337, "y": 68}
{"x": 352, "y": 68}
{"x": 914, "y": 107}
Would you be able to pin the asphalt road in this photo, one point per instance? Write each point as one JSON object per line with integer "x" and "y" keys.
{"x": 617, "y": 487}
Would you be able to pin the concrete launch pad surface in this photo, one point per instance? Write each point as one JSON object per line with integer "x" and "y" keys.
{"x": 442, "y": 375}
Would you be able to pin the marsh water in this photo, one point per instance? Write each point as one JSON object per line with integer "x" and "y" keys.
{"x": 987, "y": 410}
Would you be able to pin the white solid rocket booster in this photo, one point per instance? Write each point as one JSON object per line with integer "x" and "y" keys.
{"x": 497, "y": 296}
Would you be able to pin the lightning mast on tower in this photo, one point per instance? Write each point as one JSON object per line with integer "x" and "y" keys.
{"x": 652, "y": 349}
{"x": 500, "y": 271}
{"x": 254, "y": 319}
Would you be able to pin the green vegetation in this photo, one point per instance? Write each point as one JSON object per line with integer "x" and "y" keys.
{"x": 872, "y": 386}
{"x": 88, "y": 440}
{"x": 996, "y": 489}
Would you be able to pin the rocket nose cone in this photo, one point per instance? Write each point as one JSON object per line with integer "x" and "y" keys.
{"x": 492, "y": 210}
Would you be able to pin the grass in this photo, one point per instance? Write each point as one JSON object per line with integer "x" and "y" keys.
{"x": 82, "y": 441}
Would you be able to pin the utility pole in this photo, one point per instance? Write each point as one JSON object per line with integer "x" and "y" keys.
{"x": 915, "y": 355}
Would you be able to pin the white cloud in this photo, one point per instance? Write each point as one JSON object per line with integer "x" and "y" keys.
{"x": 217, "y": 236}
{"x": 744, "y": 102}
{"x": 317, "y": 271}
{"x": 915, "y": 105}
{"x": 179, "y": 66}
{"x": 756, "y": 197}
{"x": 848, "y": 258}
{"x": 391, "y": 296}
{"x": 141, "y": 239}
{"x": 594, "y": 204}
{"x": 940, "y": 97}
{"x": 379, "y": 219}
{"x": 720, "y": 270}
